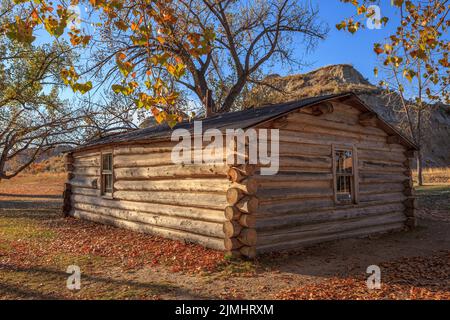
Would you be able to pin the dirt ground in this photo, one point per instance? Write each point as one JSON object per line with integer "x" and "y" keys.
{"x": 37, "y": 245}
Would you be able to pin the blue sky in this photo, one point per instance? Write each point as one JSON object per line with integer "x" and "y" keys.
{"x": 343, "y": 47}
{"x": 339, "y": 46}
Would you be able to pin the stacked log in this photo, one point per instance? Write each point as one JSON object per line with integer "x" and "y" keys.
{"x": 152, "y": 195}
{"x": 296, "y": 207}
{"x": 68, "y": 163}
{"x": 410, "y": 203}
{"x": 239, "y": 229}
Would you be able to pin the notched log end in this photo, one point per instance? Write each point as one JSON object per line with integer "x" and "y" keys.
{"x": 411, "y": 222}
{"x": 248, "y": 252}
{"x": 323, "y": 108}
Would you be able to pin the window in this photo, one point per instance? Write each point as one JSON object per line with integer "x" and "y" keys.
{"x": 344, "y": 175}
{"x": 107, "y": 174}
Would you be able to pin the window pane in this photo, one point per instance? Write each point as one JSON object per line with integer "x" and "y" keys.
{"x": 344, "y": 188}
{"x": 344, "y": 161}
{"x": 107, "y": 183}
{"x": 107, "y": 162}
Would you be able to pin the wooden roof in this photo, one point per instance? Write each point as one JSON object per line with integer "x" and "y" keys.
{"x": 234, "y": 120}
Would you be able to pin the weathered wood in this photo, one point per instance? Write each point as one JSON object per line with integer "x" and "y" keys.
{"x": 80, "y": 155}
{"x": 199, "y": 227}
{"x": 187, "y": 184}
{"x": 231, "y": 229}
{"x": 379, "y": 166}
{"x": 305, "y": 162}
{"x": 292, "y": 206}
{"x": 85, "y": 182}
{"x": 304, "y": 149}
{"x": 232, "y": 213}
{"x": 231, "y": 244}
{"x": 410, "y": 212}
{"x": 294, "y": 179}
{"x": 336, "y": 124}
{"x": 388, "y": 197}
{"x": 328, "y": 228}
{"x": 368, "y": 119}
{"x": 236, "y": 175}
{"x": 159, "y": 159}
{"x": 154, "y": 147}
{"x": 411, "y": 222}
{"x": 407, "y": 163}
{"x": 86, "y": 171}
{"x": 248, "y": 236}
{"x": 408, "y": 192}
{"x": 339, "y": 130}
{"x": 247, "y": 169}
{"x": 67, "y": 186}
{"x": 87, "y": 162}
{"x": 249, "y": 252}
{"x": 323, "y": 108}
{"x": 142, "y": 160}
{"x": 329, "y": 139}
{"x": 381, "y": 188}
{"x": 374, "y": 177}
{"x": 189, "y": 171}
{"x": 68, "y": 157}
{"x": 294, "y": 193}
{"x": 410, "y": 203}
{"x": 194, "y": 199}
{"x": 303, "y": 241}
{"x": 248, "y": 204}
{"x": 234, "y": 195}
{"x": 210, "y": 242}
{"x": 408, "y": 183}
{"x": 410, "y": 153}
{"x": 279, "y": 123}
{"x": 394, "y": 139}
{"x": 276, "y": 221}
{"x": 205, "y": 214}
{"x": 85, "y": 191}
{"x": 250, "y": 186}
{"x": 247, "y": 220}
{"x": 381, "y": 156}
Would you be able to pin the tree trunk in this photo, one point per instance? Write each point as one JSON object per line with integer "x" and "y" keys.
{"x": 419, "y": 168}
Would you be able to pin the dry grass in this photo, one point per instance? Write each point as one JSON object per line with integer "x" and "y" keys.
{"x": 37, "y": 245}
{"x": 28, "y": 185}
{"x": 51, "y": 165}
{"x": 435, "y": 175}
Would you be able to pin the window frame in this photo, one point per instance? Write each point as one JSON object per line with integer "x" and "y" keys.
{"x": 103, "y": 192}
{"x": 354, "y": 180}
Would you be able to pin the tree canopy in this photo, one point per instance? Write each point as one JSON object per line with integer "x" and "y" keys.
{"x": 153, "y": 50}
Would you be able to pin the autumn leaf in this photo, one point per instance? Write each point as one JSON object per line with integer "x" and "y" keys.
{"x": 409, "y": 74}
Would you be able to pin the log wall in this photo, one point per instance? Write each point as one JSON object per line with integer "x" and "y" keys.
{"x": 297, "y": 206}
{"x": 151, "y": 194}
{"x": 235, "y": 208}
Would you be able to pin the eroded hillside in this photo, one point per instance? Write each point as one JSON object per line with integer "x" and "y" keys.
{"x": 343, "y": 78}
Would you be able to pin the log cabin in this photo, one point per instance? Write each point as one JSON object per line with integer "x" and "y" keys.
{"x": 343, "y": 172}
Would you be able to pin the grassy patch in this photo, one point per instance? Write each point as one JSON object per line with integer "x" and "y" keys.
{"x": 20, "y": 228}
{"x": 436, "y": 189}
{"x": 51, "y": 283}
